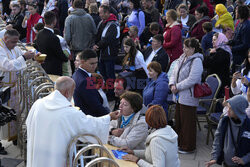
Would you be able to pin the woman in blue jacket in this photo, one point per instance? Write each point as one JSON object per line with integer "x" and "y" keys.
{"x": 156, "y": 91}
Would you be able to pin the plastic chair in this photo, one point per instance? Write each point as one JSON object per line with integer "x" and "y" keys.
{"x": 207, "y": 104}
{"x": 102, "y": 160}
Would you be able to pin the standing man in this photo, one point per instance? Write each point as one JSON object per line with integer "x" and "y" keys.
{"x": 157, "y": 53}
{"x": 86, "y": 95}
{"x": 108, "y": 44}
{"x": 17, "y": 21}
{"x": 80, "y": 30}
{"x": 12, "y": 61}
{"x": 52, "y": 122}
{"x": 48, "y": 43}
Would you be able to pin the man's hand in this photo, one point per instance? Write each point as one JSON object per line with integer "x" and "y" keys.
{"x": 130, "y": 157}
{"x": 238, "y": 160}
{"x": 210, "y": 163}
{"x": 9, "y": 27}
{"x": 117, "y": 132}
{"x": 114, "y": 115}
{"x": 126, "y": 149}
{"x": 96, "y": 48}
{"x": 29, "y": 55}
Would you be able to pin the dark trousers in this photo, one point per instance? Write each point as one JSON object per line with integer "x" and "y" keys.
{"x": 185, "y": 117}
{"x": 107, "y": 70}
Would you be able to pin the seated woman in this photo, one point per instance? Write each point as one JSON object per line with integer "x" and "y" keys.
{"x": 156, "y": 91}
{"x": 131, "y": 129}
{"x": 241, "y": 78}
{"x": 161, "y": 143}
{"x": 134, "y": 62}
{"x": 218, "y": 62}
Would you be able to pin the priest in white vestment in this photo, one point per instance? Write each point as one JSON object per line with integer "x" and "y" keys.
{"x": 52, "y": 122}
{"x": 12, "y": 61}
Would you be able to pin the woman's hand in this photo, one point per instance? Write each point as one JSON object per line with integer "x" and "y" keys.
{"x": 213, "y": 50}
{"x": 210, "y": 163}
{"x": 173, "y": 89}
{"x": 244, "y": 81}
{"x": 238, "y": 160}
{"x": 117, "y": 132}
{"x": 127, "y": 150}
{"x": 130, "y": 157}
{"x": 236, "y": 75}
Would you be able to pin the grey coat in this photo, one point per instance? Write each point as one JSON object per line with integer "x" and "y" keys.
{"x": 80, "y": 30}
{"x": 134, "y": 134}
{"x": 189, "y": 75}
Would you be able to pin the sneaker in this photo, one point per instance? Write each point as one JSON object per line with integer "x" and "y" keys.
{"x": 180, "y": 151}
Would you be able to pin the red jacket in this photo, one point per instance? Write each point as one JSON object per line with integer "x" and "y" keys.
{"x": 31, "y": 22}
{"x": 196, "y": 30}
{"x": 173, "y": 41}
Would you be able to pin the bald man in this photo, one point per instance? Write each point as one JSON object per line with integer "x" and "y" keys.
{"x": 52, "y": 122}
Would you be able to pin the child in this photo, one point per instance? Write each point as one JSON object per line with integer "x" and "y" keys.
{"x": 206, "y": 42}
{"x": 231, "y": 144}
{"x": 133, "y": 33}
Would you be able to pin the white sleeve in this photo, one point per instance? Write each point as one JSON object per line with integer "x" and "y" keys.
{"x": 237, "y": 90}
{"x": 11, "y": 65}
{"x": 40, "y": 20}
{"x": 25, "y": 24}
{"x": 140, "y": 61}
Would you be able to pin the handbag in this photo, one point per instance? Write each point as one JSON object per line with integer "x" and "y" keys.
{"x": 202, "y": 90}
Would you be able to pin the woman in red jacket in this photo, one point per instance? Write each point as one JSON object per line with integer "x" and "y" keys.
{"x": 172, "y": 36}
{"x": 30, "y": 21}
{"x": 201, "y": 15}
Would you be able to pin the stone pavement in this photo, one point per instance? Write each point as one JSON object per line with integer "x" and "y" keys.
{"x": 197, "y": 159}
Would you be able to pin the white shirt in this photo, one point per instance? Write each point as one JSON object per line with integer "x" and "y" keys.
{"x": 152, "y": 55}
{"x": 139, "y": 62}
{"x": 89, "y": 74}
{"x": 185, "y": 20}
{"x": 49, "y": 29}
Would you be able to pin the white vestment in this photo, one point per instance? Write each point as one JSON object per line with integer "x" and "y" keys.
{"x": 11, "y": 62}
{"x": 51, "y": 124}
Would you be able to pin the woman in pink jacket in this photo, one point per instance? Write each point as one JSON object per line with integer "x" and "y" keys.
{"x": 172, "y": 36}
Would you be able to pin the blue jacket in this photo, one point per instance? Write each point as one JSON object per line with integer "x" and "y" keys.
{"x": 86, "y": 96}
{"x": 156, "y": 92}
{"x": 243, "y": 141}
{"x": 241, "y": 42}
{"x": 206, "y": 42}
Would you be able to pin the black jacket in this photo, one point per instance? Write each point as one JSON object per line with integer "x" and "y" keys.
{"x": 48, "y": 43}
{"x": 108, "y": 36}
{"x": 86, "y": 96}
{"x": 17, "y": 24}
{"x": 161, "y": 57}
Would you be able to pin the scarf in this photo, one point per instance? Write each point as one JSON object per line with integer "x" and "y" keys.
{"x": 126, "y": 122}
{"x": 221, "y": 43}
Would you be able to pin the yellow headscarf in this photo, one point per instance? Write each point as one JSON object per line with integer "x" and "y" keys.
{"x": 225, "y": 18}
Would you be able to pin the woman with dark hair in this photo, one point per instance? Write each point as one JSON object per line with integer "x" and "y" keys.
{"x": 241, "y": 78}
{"x": 201, "y": 15}
{"x": 137, "y": 17}
{"x": 30, "y": 22}
{"x": 187, "y": 72}
{"x": 187, "y": 20}
{"x": 158, "y": 81}
{"x": 219, "y": 60}
{"x": 130, "y": 130}
{"x": 161, "y": 143}
{"x": 134, "y": 59}
{"x": 241, "y": 40}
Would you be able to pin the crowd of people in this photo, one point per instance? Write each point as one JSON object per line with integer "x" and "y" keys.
{"x": 143, "y": 55}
